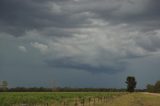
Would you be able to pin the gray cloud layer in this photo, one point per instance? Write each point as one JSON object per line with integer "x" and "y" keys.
{"x": 18, "y": 16}
{"x": 91, "y": 35}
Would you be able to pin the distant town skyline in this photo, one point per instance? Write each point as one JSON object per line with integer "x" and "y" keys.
{"x": 79, "y": 43}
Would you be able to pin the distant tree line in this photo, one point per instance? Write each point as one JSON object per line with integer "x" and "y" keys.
{"x": 154, "y": 88}
{"x": 65, "y": 89}
{"x": 31, "y": 89}
{"x": 62, "y": 89}
{"x": 130, "y": 81}
{"x": 68, "y": 89}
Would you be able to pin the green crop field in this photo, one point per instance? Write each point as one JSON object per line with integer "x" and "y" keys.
{"x": 78, "y": 99}
{"x": 56, "y": 98}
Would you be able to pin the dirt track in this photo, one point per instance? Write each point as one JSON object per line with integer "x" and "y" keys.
{"x": 155, "y": 94}
{"x": 136, "y": 99}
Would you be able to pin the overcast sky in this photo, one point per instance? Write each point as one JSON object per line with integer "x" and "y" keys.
{"x": 79, "y": 43}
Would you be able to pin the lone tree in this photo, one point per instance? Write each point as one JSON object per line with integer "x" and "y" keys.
{"x": 131, "y": 83}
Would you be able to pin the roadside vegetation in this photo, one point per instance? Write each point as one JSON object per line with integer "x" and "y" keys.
{"x": 154, "y": 88}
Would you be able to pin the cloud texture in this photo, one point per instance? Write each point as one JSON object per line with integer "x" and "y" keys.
{"x": 91, "y": 35}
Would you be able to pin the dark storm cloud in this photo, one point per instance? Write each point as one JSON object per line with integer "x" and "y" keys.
{"x": 78, "y": 36}
{"x": 151, "y": 42}
{"x": 17, "y": 16}
{"x": 143, "y": 15}
{"x": 69, "y": 63}
{"x": 68, "y": 17}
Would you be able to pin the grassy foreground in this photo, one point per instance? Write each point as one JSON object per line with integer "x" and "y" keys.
{"x": 135, "y": 99}
{"x": 56, "y": 98}
{"x": 78, "y": 99}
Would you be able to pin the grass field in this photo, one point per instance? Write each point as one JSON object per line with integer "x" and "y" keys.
{"x": 78, "y": 99}
{"x": 136, "y": 99}
{"x": 55, "y": 98}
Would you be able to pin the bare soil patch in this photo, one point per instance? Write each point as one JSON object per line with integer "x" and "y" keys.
{"x": 154, "y": 94}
